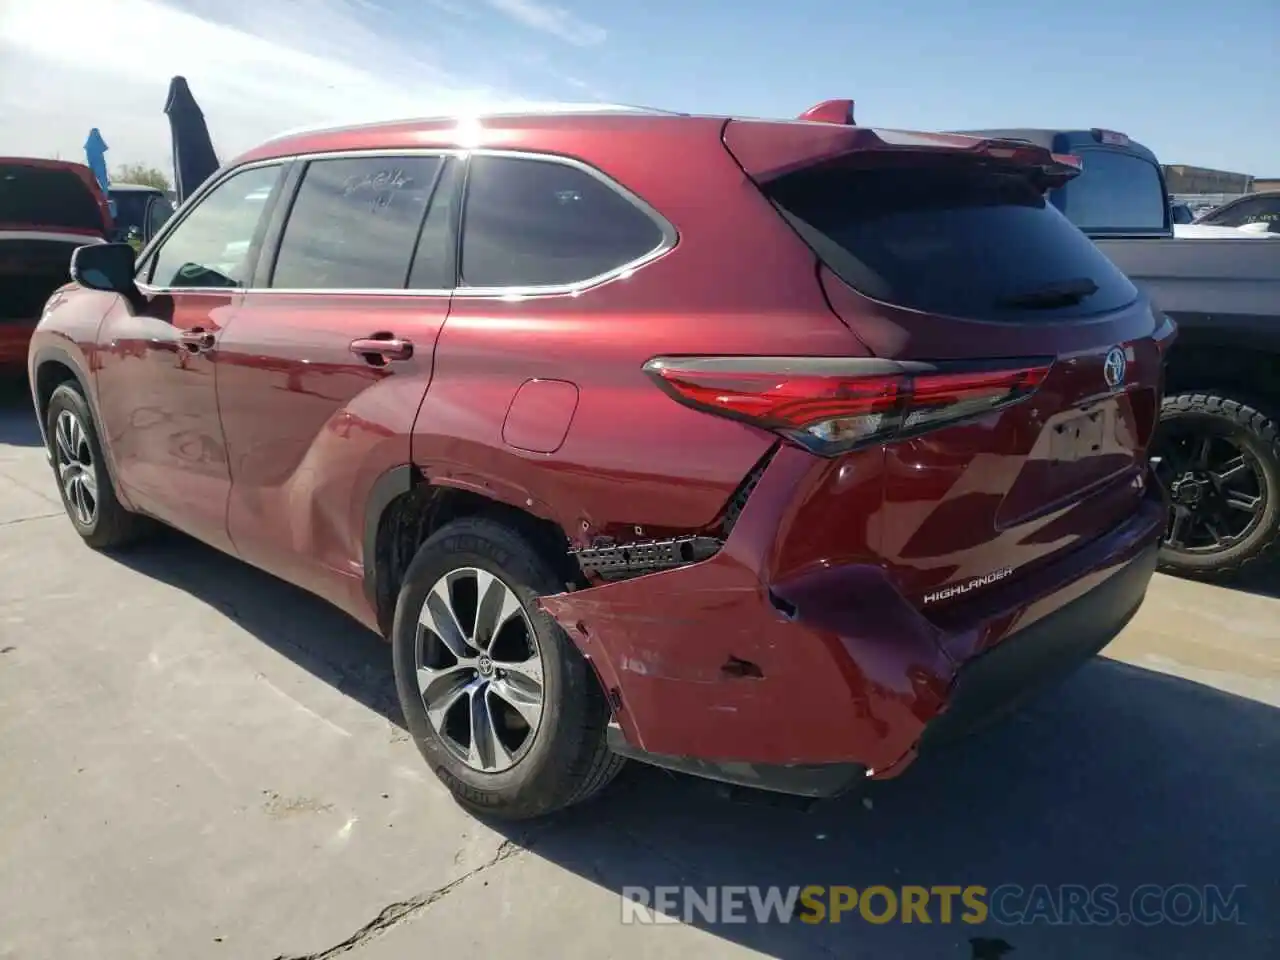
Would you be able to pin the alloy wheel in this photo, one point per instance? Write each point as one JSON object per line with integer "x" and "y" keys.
{"x": 479, "y": 669}
{"x": 1217, "y": 488}
{"x": 76, "y": 473}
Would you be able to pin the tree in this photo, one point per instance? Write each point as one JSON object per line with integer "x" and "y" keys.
{"x": 142, "y": 174}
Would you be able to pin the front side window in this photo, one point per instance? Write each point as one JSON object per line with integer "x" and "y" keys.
{"x": 355, "y": 223}
{"x": 211, "y": 246}
{"x": 536, "y": 223}
{"x": 1115, "y": 192}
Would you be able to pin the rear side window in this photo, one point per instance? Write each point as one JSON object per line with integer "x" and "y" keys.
{"x": 434, "y": 265}
{"x": 355, "y": 223}
{"x": 957, "y": 238}
{"x": 544, "y": 223}
{"x": 1115, "y": 192}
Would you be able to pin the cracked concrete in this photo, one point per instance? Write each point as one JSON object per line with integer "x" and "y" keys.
{"x": 201, "y": 762}
{"x": 396, "y": 913}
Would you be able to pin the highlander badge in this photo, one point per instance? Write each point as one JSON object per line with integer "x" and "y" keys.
{"x": 959, "y": 588}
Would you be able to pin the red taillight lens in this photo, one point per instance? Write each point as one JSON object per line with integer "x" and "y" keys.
{"x": 833, "y": 405}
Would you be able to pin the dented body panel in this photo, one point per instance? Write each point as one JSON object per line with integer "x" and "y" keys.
{"x": 843, "y": 669}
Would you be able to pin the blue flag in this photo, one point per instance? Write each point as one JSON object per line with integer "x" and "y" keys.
{"x": 95, "y": 157}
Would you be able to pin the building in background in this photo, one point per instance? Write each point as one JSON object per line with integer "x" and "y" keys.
{"x": 1262, "y": 184}
{"x": 1181, "y": 178}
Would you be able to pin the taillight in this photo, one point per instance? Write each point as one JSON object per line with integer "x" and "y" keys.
{"x": 831, "y": 405}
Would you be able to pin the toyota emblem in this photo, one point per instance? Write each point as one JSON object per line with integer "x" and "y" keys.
{"x": 1113, "y": 368}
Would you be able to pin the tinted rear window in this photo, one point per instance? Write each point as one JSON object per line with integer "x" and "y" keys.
{"x": 958, "y": 239}
{"x": 1115, "y": 192}
{"x": 49, "y": 198}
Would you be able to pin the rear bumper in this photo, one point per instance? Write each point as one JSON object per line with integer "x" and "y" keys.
{"x": 1014, "y": 670}
{"x": 809, "y": 685}
{"x": 982, "y": 690}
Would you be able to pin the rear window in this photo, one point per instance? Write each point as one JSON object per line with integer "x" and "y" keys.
{"x": 957, "y": 238}
{"x": 44, "y": 197}
{"x": 1115, "y": 192}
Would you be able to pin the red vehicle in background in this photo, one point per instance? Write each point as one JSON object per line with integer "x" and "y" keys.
{"x": 47, "y": 209}
{"x": 772, "y": 451}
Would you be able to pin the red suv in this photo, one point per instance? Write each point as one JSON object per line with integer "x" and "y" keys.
{"x": 774, "y": 452}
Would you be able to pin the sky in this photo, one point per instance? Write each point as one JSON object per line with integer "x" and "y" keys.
{"x": 1198, "y": 82}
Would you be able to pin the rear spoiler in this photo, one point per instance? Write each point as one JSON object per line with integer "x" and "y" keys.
{"x": 827, "y": 132}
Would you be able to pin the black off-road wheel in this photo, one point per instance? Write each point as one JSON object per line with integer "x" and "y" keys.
{"x": 84, "y": 482}
{"x": 503, "y": 706}
{"x": 1219, "y": 460}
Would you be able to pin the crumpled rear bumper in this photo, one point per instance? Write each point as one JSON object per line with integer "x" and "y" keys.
{"x": 809, "y": 685}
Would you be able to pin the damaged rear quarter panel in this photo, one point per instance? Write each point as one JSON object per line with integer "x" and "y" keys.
{"x": 834, "y": 684}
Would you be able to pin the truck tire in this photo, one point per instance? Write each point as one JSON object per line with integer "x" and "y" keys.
{"x": 502, "y": 705}
{"x": 1219, "y": 459}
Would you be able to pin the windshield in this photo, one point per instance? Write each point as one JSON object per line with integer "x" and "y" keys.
{"x": 1116, "y": 192}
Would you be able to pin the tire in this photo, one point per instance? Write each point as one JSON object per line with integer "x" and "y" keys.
{"x": 84, "y": 483}
{"x": 1256, "y": 438}
{"x": 560, "y": 761}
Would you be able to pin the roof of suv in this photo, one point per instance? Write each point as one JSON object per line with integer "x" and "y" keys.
{"x": 499, "y": 128}
{"x": 571, "y": 129}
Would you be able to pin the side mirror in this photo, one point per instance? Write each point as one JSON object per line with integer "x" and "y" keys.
{"x": 105, "y": 266}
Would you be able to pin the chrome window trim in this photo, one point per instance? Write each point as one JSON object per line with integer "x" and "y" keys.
{"x": 669, "y": 235}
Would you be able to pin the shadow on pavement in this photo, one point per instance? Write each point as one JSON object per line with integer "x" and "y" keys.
{"x": 314, "y": 634}
{"x": 1121, "y": 776}
{"x": 1264, "y": 581}
{"x": 18, "y": 425}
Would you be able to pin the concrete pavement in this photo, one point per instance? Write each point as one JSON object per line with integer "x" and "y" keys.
{"x": 200, "y": 761}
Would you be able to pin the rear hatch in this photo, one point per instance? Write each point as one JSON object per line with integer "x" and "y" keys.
{"x": 47, "y": 209}
{"x": 1028, "y": 366}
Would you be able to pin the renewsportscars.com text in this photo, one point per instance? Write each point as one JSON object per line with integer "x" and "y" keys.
{"x": 1007, "y": 904}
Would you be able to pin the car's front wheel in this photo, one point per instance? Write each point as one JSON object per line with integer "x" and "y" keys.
{"x": 505, "y": 709}
{"x": 83, "y": 479}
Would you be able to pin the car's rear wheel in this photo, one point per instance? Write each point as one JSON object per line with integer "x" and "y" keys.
{"x": 83, "y": 479}
{"x": 505, "y": 709}
{"x": 1219, "y": 459}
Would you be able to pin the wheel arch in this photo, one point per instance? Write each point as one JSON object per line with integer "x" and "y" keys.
{"x": 1198, "y": 364}
{"x": 52, "y": 366}
{"x": 404, "y": 508}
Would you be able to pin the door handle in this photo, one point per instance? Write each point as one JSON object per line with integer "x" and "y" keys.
{"x": 379, "y": 350}
{"x": 197, "y": 339}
